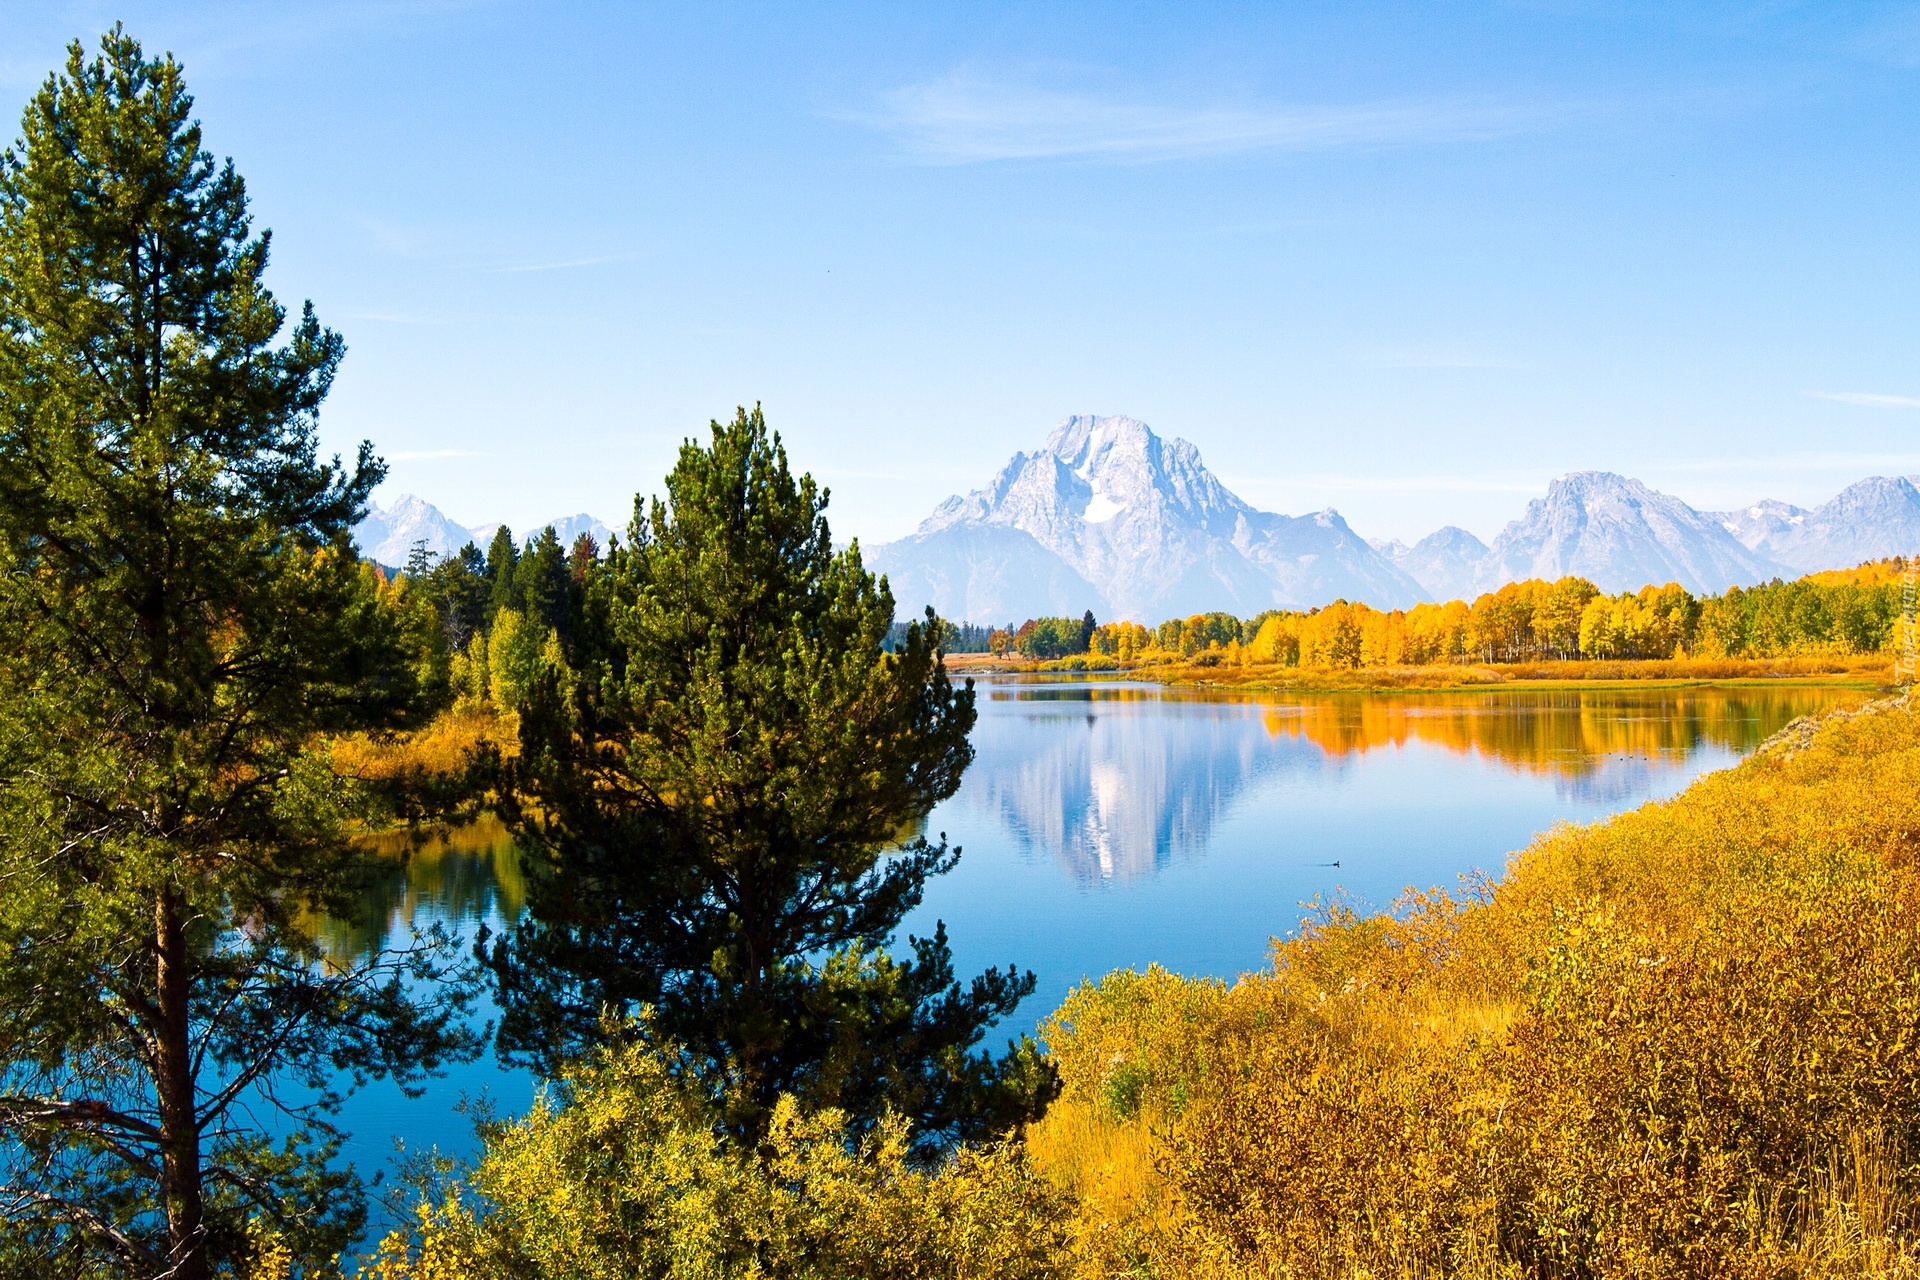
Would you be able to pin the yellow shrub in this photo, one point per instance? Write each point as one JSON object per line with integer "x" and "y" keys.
{"x": 1680, "y": 1043}
{"x": 627, "y": 1172}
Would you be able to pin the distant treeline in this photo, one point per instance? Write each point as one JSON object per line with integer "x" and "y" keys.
{"x": 1849, "y": 611}
{"x": 505, "y": 611}
{"x": 955, "y": 637}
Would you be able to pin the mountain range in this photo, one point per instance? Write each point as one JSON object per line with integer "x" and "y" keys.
{"x": 387, "y": 535}
{"x": 1108, "y": 516}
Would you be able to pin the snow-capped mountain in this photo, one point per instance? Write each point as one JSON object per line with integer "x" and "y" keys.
{"x": 1620, "y": 535}
{"x": 388, "y": 535}
{"x": 568, "y": 528}
{"x": 1763, "y": 522}
{"x": 1130, "y": 526}
{"x": 1444, "y": 562}
{"x": 982, "y": 571}
{"x": 1871, "y": 520}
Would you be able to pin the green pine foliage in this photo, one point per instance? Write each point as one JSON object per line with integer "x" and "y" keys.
{"x": 721, "y": 781}
{"x": 182, "y": 628}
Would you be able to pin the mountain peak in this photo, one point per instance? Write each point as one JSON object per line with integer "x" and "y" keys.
{"x": 387, "y": 535}
{"x": 1086, "y": 433}
{"x": 1142, "y": 524}
{"x": 1620, "y": 535}
{"x": 1868, "y": 520}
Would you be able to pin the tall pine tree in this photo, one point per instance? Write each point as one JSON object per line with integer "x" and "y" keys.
{"x": 720, "y": 811}
{"x": 182, "y": 627}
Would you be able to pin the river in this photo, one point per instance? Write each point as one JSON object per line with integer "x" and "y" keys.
{"x": 1109, "y": 824}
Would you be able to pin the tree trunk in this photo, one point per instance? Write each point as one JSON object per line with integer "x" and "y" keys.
{"x": 179, "y": 1127}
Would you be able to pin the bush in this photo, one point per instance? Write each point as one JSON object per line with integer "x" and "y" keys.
{"x": 625, "y": 1172}
{"x": 1679, "y": 1043}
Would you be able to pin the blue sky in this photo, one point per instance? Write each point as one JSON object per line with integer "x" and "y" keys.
{"x": 1409, "y": 261}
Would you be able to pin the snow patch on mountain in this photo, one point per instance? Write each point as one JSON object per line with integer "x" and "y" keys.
{"x": 1871, "y": 520}
{"x": 388, "y": 535}
{"x": 1144, "y": 530}
{"x": 1444, "y": 563}
{"x": 1620, "y": 535}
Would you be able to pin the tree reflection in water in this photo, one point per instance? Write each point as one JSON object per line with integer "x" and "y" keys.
{"x": 1116, "y": 780}
{"x": 462, "y": 877}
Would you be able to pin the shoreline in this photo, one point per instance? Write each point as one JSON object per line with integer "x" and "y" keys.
{"x": 1865, "y": 672}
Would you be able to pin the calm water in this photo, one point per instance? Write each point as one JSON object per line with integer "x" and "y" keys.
{"x": 1112, "y": 824}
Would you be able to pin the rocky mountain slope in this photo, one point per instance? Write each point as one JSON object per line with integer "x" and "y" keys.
{"x": 387, "y": 534}
{"x": 1129, "y": 525}
{"x": 1444, "y": 562}
{"x": 1876, "y": 518}
{"x": 1620, "y": 535}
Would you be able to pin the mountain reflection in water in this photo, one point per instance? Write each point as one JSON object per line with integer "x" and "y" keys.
{"x": 1115, "y": 781}
{"x": 1108, "y": 825}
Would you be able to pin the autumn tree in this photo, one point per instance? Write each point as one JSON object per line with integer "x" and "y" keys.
{"x": 183, "y": 626}
{"x": 719, "y": 805}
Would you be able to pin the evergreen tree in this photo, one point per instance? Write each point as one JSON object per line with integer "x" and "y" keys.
{"x": 718, "y": 818}
{"x": 420, "y": 558}
{"x": 460, "y": 590}
{"x": 582, "y": 556}
{"x": 502, "y": 558}
{"x": 183, "y": 625}
{"x": 541, "y": 581}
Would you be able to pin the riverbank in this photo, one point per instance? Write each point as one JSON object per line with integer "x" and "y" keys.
{"x": 1862, "y": 671}
{"x": 1669, "y": 1044}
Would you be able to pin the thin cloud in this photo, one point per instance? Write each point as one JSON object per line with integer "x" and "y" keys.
{"x": 434, "y": 455}
{"x": 567, "y": 264}
{"x": 965, "y": 119}
{"x": 1792, "y": 463}
{"x": 1868, "y": 399}
{"x": 1388, "y": 484}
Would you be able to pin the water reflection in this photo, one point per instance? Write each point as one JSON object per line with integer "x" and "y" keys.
{"x": 464, "y": 876}
{"x": 1111, "y": 824}
{"x": 1115, "y": 781}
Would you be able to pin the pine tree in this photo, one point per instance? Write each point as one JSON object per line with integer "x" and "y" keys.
{"x": 541, "y": 581}
{"x": 183, "y": 625}
{"x": 502, "y": 558}
{"x": 719, "y": 818}
{"x": 460, "y": 591}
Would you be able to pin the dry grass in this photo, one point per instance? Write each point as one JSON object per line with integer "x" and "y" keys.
{"x": 442, "y": 749}
{"x": 1680, "y": 1043}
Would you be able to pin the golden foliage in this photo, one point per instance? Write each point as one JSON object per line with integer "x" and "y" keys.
{"x": 626, "y": 1172}
{"x": 1679, "y": 1043}
{"x": 1833, "y": 615}
{"x": 442, "y": 749}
